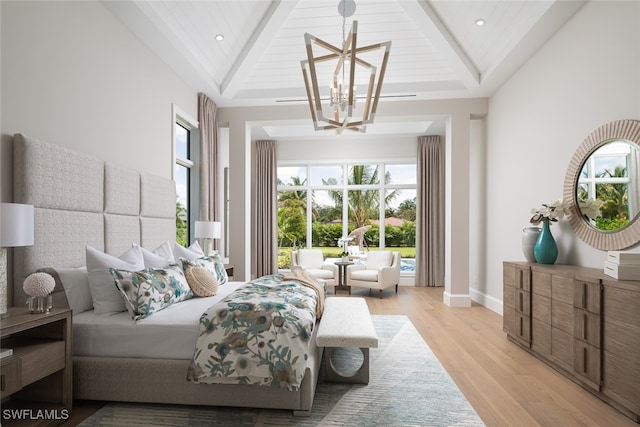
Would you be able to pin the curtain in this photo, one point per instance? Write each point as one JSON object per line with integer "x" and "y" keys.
{"x": 430, "y": 213}
{"x": 266, "y": 225}
{"x": 208, "y": 158}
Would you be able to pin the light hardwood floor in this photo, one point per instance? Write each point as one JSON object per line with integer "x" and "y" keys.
{"x": 505, "y": 385}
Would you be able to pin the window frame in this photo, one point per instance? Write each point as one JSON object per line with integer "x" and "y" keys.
{"x": 182, "y": 118}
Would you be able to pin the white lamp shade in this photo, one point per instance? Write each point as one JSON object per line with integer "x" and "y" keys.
{"x": 16, "y": 225}
{"x": 208, "y": 229}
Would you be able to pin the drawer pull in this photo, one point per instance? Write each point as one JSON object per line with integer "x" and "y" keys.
{"x": 521, "y": 295}
{"x": 584, "y": 359}
{"x": 585, "y": 322}
{"x": 521, "y": 327}
{"x": 584, "y": 295}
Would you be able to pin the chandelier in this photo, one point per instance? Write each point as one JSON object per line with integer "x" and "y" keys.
{"x": 350, "y": 64}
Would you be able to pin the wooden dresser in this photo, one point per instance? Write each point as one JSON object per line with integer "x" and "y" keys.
{"x": 583, "y": 323}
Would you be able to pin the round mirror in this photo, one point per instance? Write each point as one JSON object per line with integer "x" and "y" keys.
{"x": 602, "y": 187}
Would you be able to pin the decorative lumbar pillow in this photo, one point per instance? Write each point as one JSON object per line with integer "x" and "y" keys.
{"x": 105, "y": 295}
{"x": 152, "y": 289}
{"x": 192, "y": 252}
{"x": 160, "y": 257}
{"x": 75, "y": 283}
{"x": 201, "y": 281}
{"x": 212, "y": 263}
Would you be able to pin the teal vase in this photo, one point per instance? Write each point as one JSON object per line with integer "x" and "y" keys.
{"x": 545, "y": 250}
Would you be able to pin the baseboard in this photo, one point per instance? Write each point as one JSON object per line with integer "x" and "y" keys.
{"x": 488, "y": 301}
{"x": 456, "y": 300}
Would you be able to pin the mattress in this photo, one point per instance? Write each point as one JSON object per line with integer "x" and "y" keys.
{"x": 168, "y": 334}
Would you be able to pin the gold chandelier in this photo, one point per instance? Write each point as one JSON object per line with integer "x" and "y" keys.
{"x": 342, "y": 96}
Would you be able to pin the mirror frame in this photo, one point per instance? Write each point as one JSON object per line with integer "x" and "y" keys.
{"x": 627, "y": 130}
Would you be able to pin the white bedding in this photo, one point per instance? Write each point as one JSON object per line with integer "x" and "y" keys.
{"x": 168, "y": 334}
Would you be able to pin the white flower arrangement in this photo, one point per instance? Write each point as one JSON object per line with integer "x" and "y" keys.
{"x": 558, "y": 209}
{"x": 39, "y": 284}
{"x": 344, "y": 242}
{"x": 590, "y": 208}
{"x": 549, "y": 212}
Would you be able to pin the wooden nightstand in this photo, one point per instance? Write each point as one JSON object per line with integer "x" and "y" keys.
{"x": 229, "y": 268}
{"x": 36, "y": 379}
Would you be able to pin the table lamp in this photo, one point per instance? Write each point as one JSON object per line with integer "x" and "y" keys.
{"x": 16, "y": 229}
{"x": 208, "y": 230}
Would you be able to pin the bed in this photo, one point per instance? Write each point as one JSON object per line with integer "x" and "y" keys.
{"x": 82, "y": 201}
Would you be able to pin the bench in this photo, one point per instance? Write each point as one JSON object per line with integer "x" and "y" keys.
{"x": 346, "y": 322}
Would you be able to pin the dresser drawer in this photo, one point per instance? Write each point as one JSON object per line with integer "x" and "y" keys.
{"x": 587, "y": 327}
{"x": 523, "y": 329}
{"x": 587, "y": 295}
{"x": 562, "y": 289}
{"x": 541, "y": 283}
{"x": 587, "y": 363}
{"x": 10, "y": 376}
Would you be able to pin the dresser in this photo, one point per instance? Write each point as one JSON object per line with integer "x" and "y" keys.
{"x": 581, "y": 322}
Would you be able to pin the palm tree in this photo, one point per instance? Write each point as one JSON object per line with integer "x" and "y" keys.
{"x": 363, "y": 205}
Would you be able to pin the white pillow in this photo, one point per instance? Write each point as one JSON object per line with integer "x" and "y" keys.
{"x": 192, "y": 252}
{"x": 75, "y": 282}
{"x": 160, "y": 257}
{"x": 310, "y": 258}
{"x": 379, "y": 259}
{"x": 105, "y": 294}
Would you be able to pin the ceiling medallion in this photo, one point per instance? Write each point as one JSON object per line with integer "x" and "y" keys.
{"x": 349, "y": 67}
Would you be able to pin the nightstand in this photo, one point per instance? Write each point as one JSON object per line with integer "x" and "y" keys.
{"x": 36, "y": 380}
{"x": 229, "y": 268}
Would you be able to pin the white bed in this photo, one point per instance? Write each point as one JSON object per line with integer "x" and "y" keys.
{"x": 82, "y": 201}
{"x": 103, "y": 336}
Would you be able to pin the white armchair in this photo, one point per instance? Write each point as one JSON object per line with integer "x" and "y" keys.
{"x": 312, "y": 261}
{"x": 380, "y": 271}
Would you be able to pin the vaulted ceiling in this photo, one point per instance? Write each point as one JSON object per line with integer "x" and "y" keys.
{"x": 437, "y": 49}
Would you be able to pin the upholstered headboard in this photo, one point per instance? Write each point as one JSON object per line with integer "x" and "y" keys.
{"x": 80, "y": 200}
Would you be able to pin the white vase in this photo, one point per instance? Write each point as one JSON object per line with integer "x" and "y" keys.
{"x": 529, "y": 238}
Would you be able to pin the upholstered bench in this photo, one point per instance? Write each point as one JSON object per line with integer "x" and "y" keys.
{"x": 346, "y": 322}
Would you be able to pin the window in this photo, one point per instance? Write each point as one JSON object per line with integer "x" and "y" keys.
{"x": 185, "y": 140}
{"x": 319, "y": 204}
{"x": 605, "y": 177}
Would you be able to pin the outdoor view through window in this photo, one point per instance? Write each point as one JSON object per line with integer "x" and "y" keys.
{"x": 320, "y": 204}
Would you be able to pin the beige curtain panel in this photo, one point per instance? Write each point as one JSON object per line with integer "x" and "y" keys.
{"x": 207, "y": 111}
{"x": 430, "y": 213}
{"x": 266, "y": 225}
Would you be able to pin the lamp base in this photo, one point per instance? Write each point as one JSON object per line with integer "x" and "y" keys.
{"x": 3, "y": 283}
{"x": 207, "y": 246}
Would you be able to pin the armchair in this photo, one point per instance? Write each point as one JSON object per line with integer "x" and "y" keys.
{"x": 312, "y": 261}
{"x": 380, "y": 271}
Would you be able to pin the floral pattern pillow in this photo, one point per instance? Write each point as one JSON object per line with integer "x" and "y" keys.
{"x": 152, "y": 289}
{"x": 213, "y": 263}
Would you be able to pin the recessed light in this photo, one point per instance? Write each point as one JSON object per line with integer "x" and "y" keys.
{"x": 219, "y": 37}
{"x": 480, "y": 22}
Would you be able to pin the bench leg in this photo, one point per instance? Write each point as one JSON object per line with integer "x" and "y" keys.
{"x": 361, "y": 376}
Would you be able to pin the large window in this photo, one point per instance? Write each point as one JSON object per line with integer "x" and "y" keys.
{"x": 373, "y": 202}
{"x": 185, "y": 140}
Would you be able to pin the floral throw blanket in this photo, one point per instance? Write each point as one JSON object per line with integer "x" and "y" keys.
{"x": 259, "y": 334}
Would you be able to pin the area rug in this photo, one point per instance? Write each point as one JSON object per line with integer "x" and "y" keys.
{"x": 408, "y": 387}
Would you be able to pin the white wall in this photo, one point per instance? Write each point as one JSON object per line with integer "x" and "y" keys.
{"x": 588, "y": 74}
{"x": 74, "y": 76}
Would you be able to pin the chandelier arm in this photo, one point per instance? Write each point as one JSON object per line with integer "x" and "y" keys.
{"x": 367, "y": 103}
{"x": 314, "y": 115}
{"x": 327, "y": 46}
{"x": 314, "y": 78}
{"x": 352, "y": 72}
{"x": 383, "y": 69}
